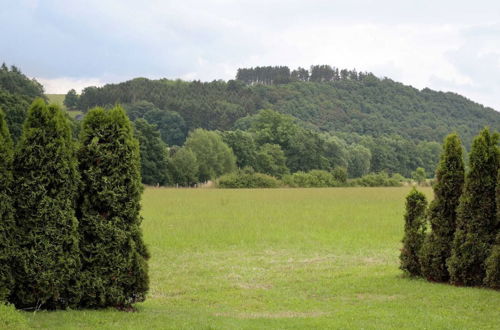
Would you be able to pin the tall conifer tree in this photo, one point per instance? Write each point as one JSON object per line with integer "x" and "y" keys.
{"x": 493, "y": 262}
{"x": 114, "y": 257}
{"x": 46, "y": 182}
{"x": 442, "y": 211}
{"x": 7, "y": 224}
{"x": 476, "y": 215}
{"x": 416, "y": 204}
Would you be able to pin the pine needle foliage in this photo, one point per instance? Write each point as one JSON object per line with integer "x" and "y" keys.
{"x": 416, "y": 204}
{"x": 46, "y": 183}
{"x": 442, "y": 211}
{"x": 114, "y": 257}
{"x": 476, "y": 214}
{"x": 7, "y": 223}
{"x": 493, "y": 262}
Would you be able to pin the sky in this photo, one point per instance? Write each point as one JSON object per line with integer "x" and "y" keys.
{"x": 441, "y": 44}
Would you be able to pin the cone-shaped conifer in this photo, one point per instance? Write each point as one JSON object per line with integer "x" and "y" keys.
{"x": 442, "y": 211}
{"x": 493, "y": 262}
{"x": 7, "y": 224}
{"x": 46, "y": 182}
{"x": 476, "y": 214}
{"x": 416, "y": 204}
{"x": 114, "y": 257}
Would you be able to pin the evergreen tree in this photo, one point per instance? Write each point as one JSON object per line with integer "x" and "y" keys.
{"x": 416, "y": 204}
{"x": 7, "y": 224}
{"x": 476, "y": 214}
{"x": 493, "y": 262}
{"x": 442, "y": 211}
{"x": 114, "y": 257}
{"x": 46, "y": 183}
{"x": 153, "y": 153}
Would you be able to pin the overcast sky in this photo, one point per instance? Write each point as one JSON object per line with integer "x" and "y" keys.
{"x": 449, "y": 45}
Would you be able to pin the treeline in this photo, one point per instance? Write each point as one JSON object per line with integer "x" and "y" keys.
{"x": 273, "y": 75}
{"x": 275, "y": 144}
{"x": 16, "y": 94}
{"x": 69, "y": 212}
{"x": 347, "y": 102}
{"x": 463, "y": 245}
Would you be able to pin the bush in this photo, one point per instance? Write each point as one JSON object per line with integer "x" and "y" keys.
{"x": 442, "y": 211}
{"x": 493, "y": 266}
{"x": 416, "y": 204}
{"x": 114, "y": 257}
{"x": 312, "y": 179}
{"x": 381, "y": 179}
{"x": 46, "y": 183}
{"x": 247, "y": 179}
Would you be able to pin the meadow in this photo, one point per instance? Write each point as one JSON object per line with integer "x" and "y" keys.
{"x": 281, "y": 258}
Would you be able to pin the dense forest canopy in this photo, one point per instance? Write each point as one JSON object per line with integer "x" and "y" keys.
{"x": 322, "y": 98}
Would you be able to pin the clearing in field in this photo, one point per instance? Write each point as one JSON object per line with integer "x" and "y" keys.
{"x": 283, "y": 258}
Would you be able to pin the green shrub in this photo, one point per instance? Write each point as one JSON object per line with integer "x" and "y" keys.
{"x": 476, "y": 215}
{"x": 381, "y": 179}
{"x": 414, "y": 232}
{"x": 248, "y": 179}
{"x": 7, "y": 223}
{"x": 442, "y": 211}
{"x": 340, "y": 175}
{"x": 492, "y": 278}
{"x": 311, "y": 179}
{"x": 46, "y": 183}
{"x": 114, "y": 257}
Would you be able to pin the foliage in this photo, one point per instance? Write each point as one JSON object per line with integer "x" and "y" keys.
{"x": 46, "y": 183}
{"x": 153, "y": 151}
{"x": 7, "y": 222}
{"x": 12, "y": 319}
{"x": 340, "y": 175}
{"x": 183, "y": 167}
{"x": 71, "y": 99}
{"x": 247, "y": 178}
{"x": 476, "y": 214}
{"x": 492, "y": 278}
{"x": 359, "y": 160}
{"x": 381, "y": 179}
{"x": 114, "y": 257}
{"x": 414, "y": 233}
{"x": 271, "y": 160}
{"x": 314, "y": 178}
{"x": 419, "y": 175}
{"x": 243, "y": 145}
{"x": 442, "y": 211}
{"x": 213, "y": 155}
{"x": 16, "y": 94}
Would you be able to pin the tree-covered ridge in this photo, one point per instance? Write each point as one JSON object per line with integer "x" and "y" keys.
{"x": 323, "y": 98}
{"x": 16, "y": 94}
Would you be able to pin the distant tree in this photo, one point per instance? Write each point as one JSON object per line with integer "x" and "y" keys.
{"x": 243, "y": 146}
{"x": 419, "y": 175}
{"x": 335, "y": 151}
{"x": 359, "y": 158}
{"x": 306, "y": 152}
{"x": 46, "y": 183}
{"x": 71, "y": 99}
{"x": 442, "y": 211}
{"x": 7, "y": 222}
{"x": 270, "y": 159}
{"x": 173, "y": 130}
{"x": 153, "y": 151}
{"x": 416, "y": 204}
{"x": 274, "y": 128}
{"x": 114, "y": 257}
{"x": 476, "y": 214}
{"x": 183, "y": 167}
{"x": 214, "y": 156}
{"x": 340, "y": 174}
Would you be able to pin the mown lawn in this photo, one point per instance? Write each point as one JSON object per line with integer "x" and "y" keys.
{"x": 283, "y": 258}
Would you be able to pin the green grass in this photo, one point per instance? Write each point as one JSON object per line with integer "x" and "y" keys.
{"x": 59, "y": 100}
{"x": 283, "y": 258}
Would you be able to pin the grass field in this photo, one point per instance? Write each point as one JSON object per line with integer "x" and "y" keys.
{"x": 282, "y": 258}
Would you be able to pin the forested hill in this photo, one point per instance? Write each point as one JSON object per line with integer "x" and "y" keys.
{"x": 323, "y": 97}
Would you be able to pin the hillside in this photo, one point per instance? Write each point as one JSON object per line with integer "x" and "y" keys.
{"x": 362, "y": 104}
